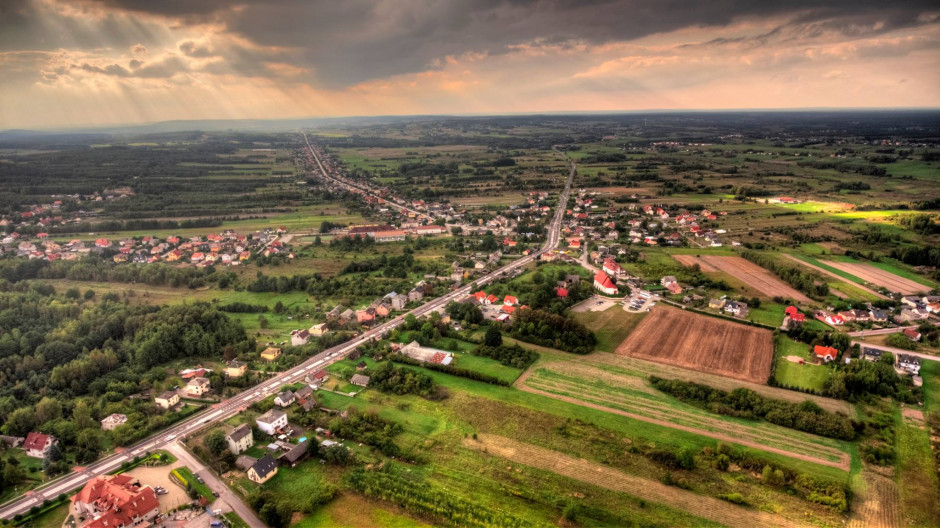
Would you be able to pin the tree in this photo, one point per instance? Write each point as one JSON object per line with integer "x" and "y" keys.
{"x": 12, "y": 474}
{"x": 216, "y": 443}
{"x": 686, "y": 458}
{"x": 20, "y": 422}
{"x": 493, "y": 337}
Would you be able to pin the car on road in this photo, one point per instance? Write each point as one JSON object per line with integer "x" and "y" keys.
{"x": 215, "y": 493}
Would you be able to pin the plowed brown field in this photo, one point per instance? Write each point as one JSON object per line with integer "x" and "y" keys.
{"x": 691, "y": 260}
{"x": 684, "y": 339}
{"x": 605, "y": 477}
{"x": 869, "y": 273}
{"x": 755, "y": 276}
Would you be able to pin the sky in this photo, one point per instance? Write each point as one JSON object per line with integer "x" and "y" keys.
{"x": 80, "y": 63}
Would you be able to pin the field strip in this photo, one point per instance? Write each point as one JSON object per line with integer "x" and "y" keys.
{"x": 843, "y": 463}
{"x": 629, "y": 366}
{"x": 598, "y": 475}
{"x": 763, "y": 433}
{"x": 877, "y": 505}
{"x": 691, "y": 260}
{"x": 835, "y": 275}
{"x": 878, "y": 276}
{"x": 752, "y": 274}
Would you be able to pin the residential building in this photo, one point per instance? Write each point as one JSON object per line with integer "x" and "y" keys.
{"x": 197, "y": 387}
{"x": 318, "y": 330}
{"x": 317, "y": 378}
{"x": 299, "y": 337}
{"x": 271, "y": 421}
{"x": 285, "y": 399}
{"x": 271, "y": 353}
{"x": 240, "y": 439}
{"x": 38, "y": 444}
{"x": 262, "y": 470}
{"x": 167, "y": 399}
{"x": 906, "y": 362}
{"x": 115, "y": 501}
{"x": 360, "y": 380}
{"x": 736, "y": 308}
{"x": 825, "y": 353}
{"x": 235, "y": 368}
{"x": 113, "y": 421}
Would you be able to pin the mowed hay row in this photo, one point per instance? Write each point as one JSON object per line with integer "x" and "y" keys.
{"x": 755, "y": 276}
{"x": 691, "y": 260}
{"x": 877, "y": 505}
{"x": 684, "y": 339}
{"x": 873, "y": 275}
{"x": 608, "y": 478}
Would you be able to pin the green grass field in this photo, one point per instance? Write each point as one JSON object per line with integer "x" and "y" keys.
{"x": 611, "y": 326}
{"x": 185, "y": 475}
{"x": 917, "y": 476}
{"x": 807, "y": 376}
{"x": 930, "y": 372}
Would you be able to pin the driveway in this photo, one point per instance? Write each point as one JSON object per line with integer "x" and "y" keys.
{"x": 160, "y": 476}
{"x": 228, "y": 499}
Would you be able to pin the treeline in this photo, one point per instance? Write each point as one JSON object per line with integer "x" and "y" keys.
{"x": 369, "y": 428}
{"x": 554, "y": 331}
{"x": 453, "y": 370}
{"x": 240, "y": 307}
{"x": 395, "y": 266}
{"x": 93, "y": 269}
{"x": 745, "y": 403}
{"x": 509, "y": 355}
{"x": 806, "y": 282}
{"x": 128, "y": 225}
{"x": 917, "y": 256}
{"x": 392, "y": 379}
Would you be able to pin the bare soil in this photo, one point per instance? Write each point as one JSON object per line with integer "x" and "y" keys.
{"x": 676, "y": 337}
{"x": 691, "y": 260}
{"x": 755, "y": 276}
{"x": 869, "y": 273}
{"x": 835, "y": 275}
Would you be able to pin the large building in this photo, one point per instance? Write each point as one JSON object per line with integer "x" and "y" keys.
{"x": 271, "y": 421}
{"x": 603, "y": 283}
{"x": 115, "y": 501}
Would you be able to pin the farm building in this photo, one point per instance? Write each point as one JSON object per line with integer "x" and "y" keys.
{"x": 426, "y": 354}
{"x": 360, "y": 380}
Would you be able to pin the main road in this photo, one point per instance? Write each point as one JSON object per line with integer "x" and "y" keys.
{"x": 236, "y": 404}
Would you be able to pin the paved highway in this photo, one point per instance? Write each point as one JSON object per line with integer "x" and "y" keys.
{"x": 234, "y": 405}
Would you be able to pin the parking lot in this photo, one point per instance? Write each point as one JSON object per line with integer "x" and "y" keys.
{"x": 640, "y": 301}
{"x": 593, "y": 304}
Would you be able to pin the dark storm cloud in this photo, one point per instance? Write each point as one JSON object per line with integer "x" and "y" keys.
{"x": 351, "y": 41}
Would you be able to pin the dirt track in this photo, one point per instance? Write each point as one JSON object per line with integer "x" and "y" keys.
{"x": 844, "y": 464}
{"x": 596, "y": 474}
{"x": 869, "y": 273}
{"x": 836, "y": 275}
{"x": 755, "y": 276}
{"x": 676, "y": 337}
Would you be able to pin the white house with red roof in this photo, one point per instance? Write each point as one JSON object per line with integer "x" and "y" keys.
{"x": 825, "y": 353}
{"x": 510, "y": 300}
{"x": 611, "y": 267}
{"x": 38, "y": 444}
{"x": 115, "y": 501}
{"x": 603, "y": 283}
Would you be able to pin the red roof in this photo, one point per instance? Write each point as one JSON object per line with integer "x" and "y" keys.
{"x": 492, "y": 298}
{"x": 508, "y": 308}
{"x": 604, "y": 280}
{"x": 791, "y": 311}
{"x": 823, "y": 351}
{"x": 118, "y": 499}
{"x": 480, "y": 295}
{"x": 562, "y": 292}
{"x": 438, "y": 357}
{"x": 36, "y": 441}
{"x": 509, "y": 299}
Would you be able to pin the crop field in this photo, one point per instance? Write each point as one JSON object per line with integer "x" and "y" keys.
{"x": 687, "y": 340}
{"x": 691, "y": 260}
{"x": 632, "y": 396}
{"x": 605, "y": 477}
{"x": 755, "y": 276}
{"x": 878, "y": 276}
{"x": 877, "y": 505}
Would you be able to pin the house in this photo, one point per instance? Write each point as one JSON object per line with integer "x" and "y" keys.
{"x": 914, "y": 314}
{"x": 872, "y": 354}
{"x": 295, "y": 454}
{"x": 262, "y": 470}
{"x": 736, "y": 308}
{"x": 271, "y": 353}
{"x": 197, "y": 387}
{"x": 426, "y": 354}
{"x": 304, "y": 393}
{"x": 667, "y": 280}
{"x": 603, "y": 283}
{"x": 510, "y": 300}
{"x": 674, "y": 288}
{"x": 240, "y": 439}
{"x": 113, "y": 421}
{"x": 399, "y": 302}
{"x": 285, "y": 398}
{"x": 38, "y": 444}
{"x": 11, "y": 441}
{"x": 912, "y": 334}
{"x": 318, "y": 330}
{"x": 906, "y": 362}
{"x": 825, "y": 353}
{"x": 480, "y": 296}
{"x": 612, "y": 268}
{"x": 383, "y": 310}
{"x": 415, "y": 294}
{"x": 167, "y": 399}
{"x": 317, "y": 378}
{"x": 360, "y": 380}
{"x": 271, "y": 421}
{"x": 299, "y": 337}
{"x": 794, "y": 315}
{"x": 244, "y": 462}
{"x": 879, "y": 316}
{"x": 716, "y": 304}
{"x": 365, "y": 316}
{"x": 115, "y": 501}
{"x": 235, "y": 368}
